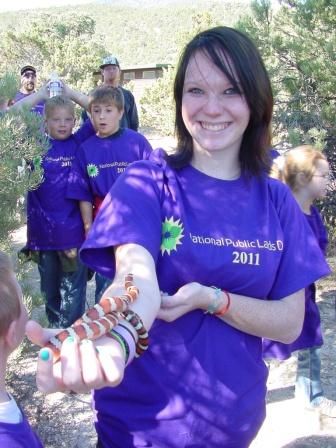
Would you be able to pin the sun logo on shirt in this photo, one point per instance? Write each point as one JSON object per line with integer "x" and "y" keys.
{"x": 92, "y": 170}
{"x": 172, "y": 233}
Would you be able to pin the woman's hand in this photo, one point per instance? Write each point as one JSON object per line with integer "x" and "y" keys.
{"x": 188, "y": 298}
{"x": 82, "y": 366}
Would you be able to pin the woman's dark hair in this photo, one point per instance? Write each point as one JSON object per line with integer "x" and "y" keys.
{"x": 230, "y": 50}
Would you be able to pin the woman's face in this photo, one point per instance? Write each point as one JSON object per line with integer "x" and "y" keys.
{"x": 214, "y": 112}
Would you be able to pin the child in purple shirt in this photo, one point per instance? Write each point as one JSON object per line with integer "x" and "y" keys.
{"x": 103, "y": 157}
{"x": 306, "y": 171}
{"x": 15, "y": 431}
{"x": 54, "y": 226}
{"x": 220, "y": 254}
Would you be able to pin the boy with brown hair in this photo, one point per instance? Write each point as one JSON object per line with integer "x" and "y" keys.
{"x": 103, "y": 157}
{"x": 15, "y": 431}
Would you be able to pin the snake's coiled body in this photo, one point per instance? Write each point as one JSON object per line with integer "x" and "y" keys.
{"x": 98, "y": 320}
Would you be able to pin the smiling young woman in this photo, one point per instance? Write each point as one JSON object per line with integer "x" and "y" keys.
{"x": 220, "y": 253}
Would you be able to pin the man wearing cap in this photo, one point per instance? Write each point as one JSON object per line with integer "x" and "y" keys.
{"x": 28, "y": 83}
{"x": 110, "y": 70}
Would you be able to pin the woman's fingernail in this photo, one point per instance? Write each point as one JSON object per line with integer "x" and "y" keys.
{"x": 44, "y": 354}
{"x": 70, "y": 339}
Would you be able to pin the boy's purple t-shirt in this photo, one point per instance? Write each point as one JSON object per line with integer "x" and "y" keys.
{"x": 202, "y": 382}
{"x": 100, "y": 161}
{"x": 311, "y": 334}
{"x": 18, "y": 435}
{"x": 38, "y": 108}
{"x": 53, "y": 221}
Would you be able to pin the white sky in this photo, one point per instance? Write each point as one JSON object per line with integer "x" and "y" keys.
{"x": 14, "y": 5}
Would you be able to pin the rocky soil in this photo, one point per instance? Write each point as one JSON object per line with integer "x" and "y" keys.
{"x": 67, "y": 421}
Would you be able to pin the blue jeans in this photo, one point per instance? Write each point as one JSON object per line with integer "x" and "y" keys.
{"x": 102, "y": 283}
{"x": 308, "y": 377}
{"x": 64, "y": 292}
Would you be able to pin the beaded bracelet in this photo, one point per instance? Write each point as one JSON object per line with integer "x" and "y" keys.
{"x": 213, "y": 306}
{"x": 224, "y": 309}
{"x": 137, "y": 324}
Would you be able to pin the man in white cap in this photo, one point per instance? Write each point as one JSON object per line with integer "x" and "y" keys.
{"x": 110, "y": 70}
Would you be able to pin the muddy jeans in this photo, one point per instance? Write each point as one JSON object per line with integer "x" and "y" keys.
{"x": 102, "y": 283}
{"x": 64, "y": 292}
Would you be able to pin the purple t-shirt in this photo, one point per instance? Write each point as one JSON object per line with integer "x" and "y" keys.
{"x": 100, "y": 161}
{"x": 38, "y": 108}
{"x": 18, "y": 435}
{"x": 202, "y": 382}
{"x": 53, "y": 221}
{"x": 311, "y": 334}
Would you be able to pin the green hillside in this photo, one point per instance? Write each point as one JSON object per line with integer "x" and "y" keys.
{"x": 138, "y": 32}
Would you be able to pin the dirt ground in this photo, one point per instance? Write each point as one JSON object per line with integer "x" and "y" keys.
{"x": 286, "y": 424}
{"x": 67, "y": 421}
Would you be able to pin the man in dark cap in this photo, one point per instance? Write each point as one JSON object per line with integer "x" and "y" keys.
{"x": 110, "y": 70}
{"x": 28, "y": 85}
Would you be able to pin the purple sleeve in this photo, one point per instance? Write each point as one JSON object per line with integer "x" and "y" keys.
{"x": 84, "y": 132}
{"x": 146, "y": 149}
{"x": 130, "y": 213}
{"x": 19, "y": 435}
{"x": 78, "y": 183}
{"x": 302, "y": 262}
{"x": 11, "y": 441}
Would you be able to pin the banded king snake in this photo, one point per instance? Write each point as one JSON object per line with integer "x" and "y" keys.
{"x": 101, "y": 318}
